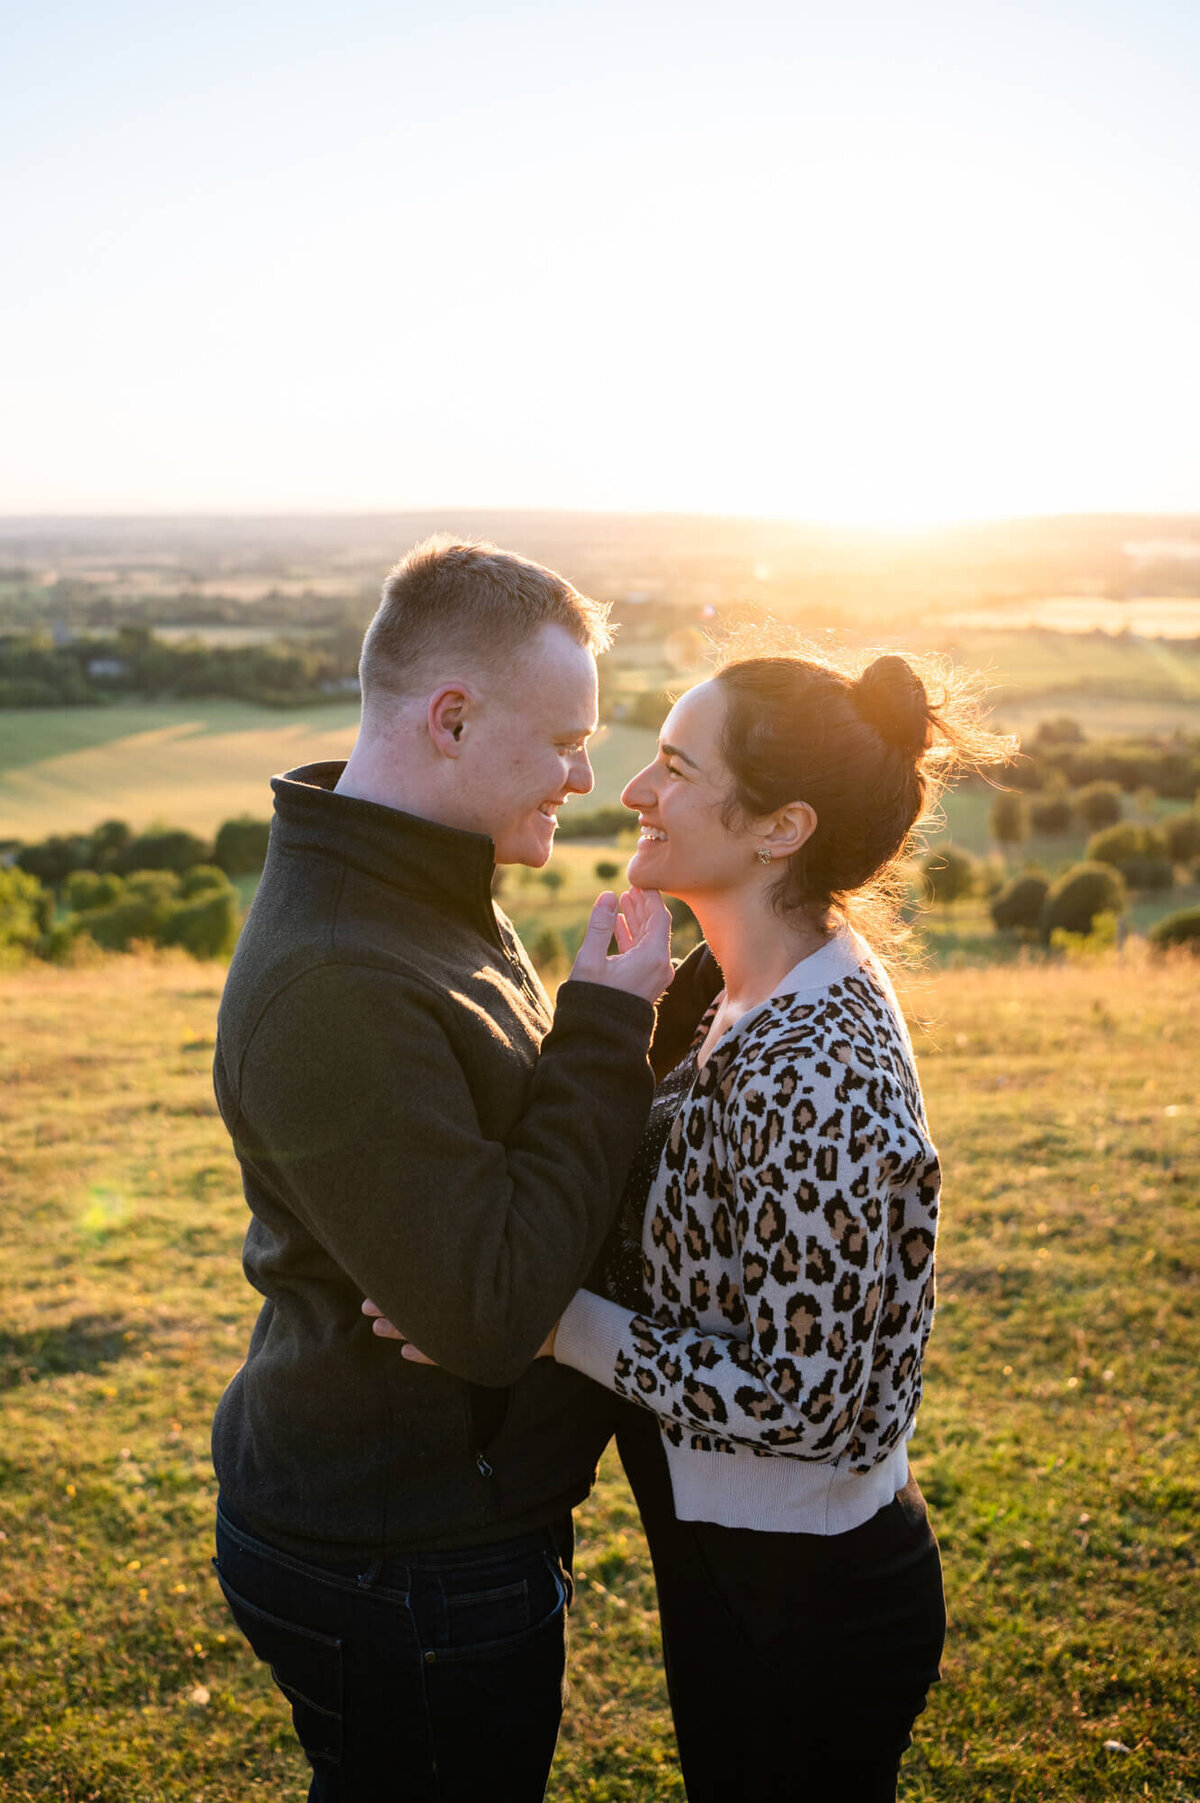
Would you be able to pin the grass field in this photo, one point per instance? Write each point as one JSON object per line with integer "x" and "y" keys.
{"x": 63, "y": 770}
{"x": 1056, "y": 1444}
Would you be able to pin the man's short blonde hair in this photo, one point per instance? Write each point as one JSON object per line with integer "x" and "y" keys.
{"x": 458, "y": 598}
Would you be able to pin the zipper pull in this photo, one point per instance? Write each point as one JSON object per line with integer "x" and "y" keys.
{"x": 482, "y": 1466}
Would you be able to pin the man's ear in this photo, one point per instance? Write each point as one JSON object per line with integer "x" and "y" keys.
{"x": 446, "y": 717}
{"x": 790, "y": 828}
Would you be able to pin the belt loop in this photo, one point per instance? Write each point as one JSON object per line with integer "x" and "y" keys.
{"x": 368, "y": 1579}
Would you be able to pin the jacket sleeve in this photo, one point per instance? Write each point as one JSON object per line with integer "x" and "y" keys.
{"x": 353, "y": 1108}
{"x": 809, "y": 1239}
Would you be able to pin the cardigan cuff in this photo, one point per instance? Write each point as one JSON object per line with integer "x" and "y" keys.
{"x": 589, "y": 1336}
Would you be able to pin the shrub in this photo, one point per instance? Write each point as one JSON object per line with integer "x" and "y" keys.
{"x": 241, "y": 845}
{"x": 607, "y": 871}
{"x": 203, "y": 877}
{"x": 168, "y": 848}
{"x": 52, "y": 860}
{"x": 207, "y": 926}
{"x": 108, "y": 841}
{"x": 601, "y": 823}
{"x": 1062, "y": 730}
{"x": 1051, "y": 815}
{"x": 553, "y": 880}
{"x": 1080, "y": 946}
{"x": 1148, "y": 873}
{"x": 159, "y": 888}
{"x": 1182, "y": 835}
{"x": 115, "y": 929}
{"x": 949, "y": 873}
{"x": 1075, "y": 899}
{"x": 1181, "y": 928}
{"x": 141, "y": 912}
{"x": 87, "y": 889}
{"x": 1098, "y": 805}
{"x": 1010, "y": 818}
{"x": 1121, "y": 844}
{"x": 26, "y": 909}
{"x": 549, "y": 950}
{"x": 1019, "y": 904}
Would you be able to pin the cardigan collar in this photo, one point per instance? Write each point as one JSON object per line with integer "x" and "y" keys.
{"x": 843, "y": 955}
{"x": 419, "y": 857}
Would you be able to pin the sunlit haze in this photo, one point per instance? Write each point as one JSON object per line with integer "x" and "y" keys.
{"x": 864, "y": 263}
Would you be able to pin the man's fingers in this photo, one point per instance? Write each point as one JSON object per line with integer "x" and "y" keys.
{"x": 592, "y": 956}
{"x": 642, "y": 929}
{"x": 414, "y": 1357}
{"x": 603, "y": 915}
{"x": 372, "y": 1309}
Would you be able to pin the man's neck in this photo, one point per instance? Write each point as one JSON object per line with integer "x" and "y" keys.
{"x": 386, "y": 778}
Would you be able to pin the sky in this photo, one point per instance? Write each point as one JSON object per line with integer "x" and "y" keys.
{"x": 871, "y": 263}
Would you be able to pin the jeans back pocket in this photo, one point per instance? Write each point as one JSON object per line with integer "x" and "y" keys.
{"x": 306, "y": 1665}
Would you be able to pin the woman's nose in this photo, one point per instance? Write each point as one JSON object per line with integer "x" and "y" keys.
{"x": 637, "y": 792}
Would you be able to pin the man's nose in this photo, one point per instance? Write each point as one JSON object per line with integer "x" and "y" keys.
{"x": 582, "y": 779}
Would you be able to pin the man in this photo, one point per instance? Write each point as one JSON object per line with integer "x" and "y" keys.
{"x": 414, "y": 1125}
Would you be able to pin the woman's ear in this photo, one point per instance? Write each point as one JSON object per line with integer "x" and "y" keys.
{"x": 449, "y": 707}
{"x": 790, "y": 828}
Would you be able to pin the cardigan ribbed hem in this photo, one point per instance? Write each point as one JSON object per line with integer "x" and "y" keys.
{"x": 744, "y": 1489}
{"x": 736, "y": 1487}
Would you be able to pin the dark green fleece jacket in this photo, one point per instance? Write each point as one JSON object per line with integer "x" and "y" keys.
{"x": 413, "y": 1124}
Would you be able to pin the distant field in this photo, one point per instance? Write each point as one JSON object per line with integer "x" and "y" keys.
{"x": 1121, "y": 716}
{"x": 1055, "y": 1446}
{"x": 195, "y": 764}
{"x": 1037, "y": 663}
{"x": 65, "y": 769}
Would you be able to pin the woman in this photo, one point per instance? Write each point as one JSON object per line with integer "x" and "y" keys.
{"x": 787, "y": 1196}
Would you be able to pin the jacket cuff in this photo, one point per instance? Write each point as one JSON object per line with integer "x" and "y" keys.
{"x": 589, "y": 1336}
{"x": 585, "y": 1004}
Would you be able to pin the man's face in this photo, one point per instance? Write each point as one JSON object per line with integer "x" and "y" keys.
{"x": 525, "y": 748}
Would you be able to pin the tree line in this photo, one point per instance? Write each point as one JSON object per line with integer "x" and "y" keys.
{"x": 113, "y": 889}
{"x": 35, "y": 671}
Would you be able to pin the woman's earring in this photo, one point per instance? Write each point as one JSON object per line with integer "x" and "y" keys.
{"x": 763, "y": 855}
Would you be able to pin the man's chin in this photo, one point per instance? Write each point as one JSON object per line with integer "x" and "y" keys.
{"x": 531, "y": 849}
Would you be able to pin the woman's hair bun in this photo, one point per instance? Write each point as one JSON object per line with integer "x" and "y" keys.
{"x": 890, "y": 696}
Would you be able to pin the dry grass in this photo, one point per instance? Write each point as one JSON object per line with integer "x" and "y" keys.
{"x": 1056, "y": 1444}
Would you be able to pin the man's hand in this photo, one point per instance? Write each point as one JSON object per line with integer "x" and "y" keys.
{"x": 383, "y": 1328}
{"x": 641, "y": 925}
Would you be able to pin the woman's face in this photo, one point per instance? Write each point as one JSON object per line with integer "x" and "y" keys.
{"x": 685, "y": 847}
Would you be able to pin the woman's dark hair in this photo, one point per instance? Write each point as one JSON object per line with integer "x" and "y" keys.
{"x": 870, "y": 752}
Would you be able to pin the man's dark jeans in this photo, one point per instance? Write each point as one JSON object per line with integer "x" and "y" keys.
{"x": 436, "y": 1675}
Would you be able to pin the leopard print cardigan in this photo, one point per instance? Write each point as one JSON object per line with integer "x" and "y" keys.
{"x": 789, "y": 1233}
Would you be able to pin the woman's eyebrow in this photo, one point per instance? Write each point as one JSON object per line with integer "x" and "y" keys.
{"x": 673, "y": 751}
